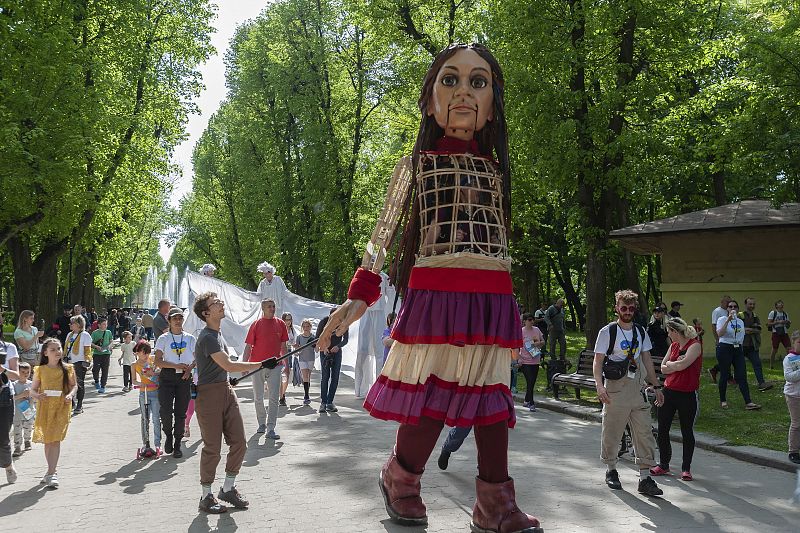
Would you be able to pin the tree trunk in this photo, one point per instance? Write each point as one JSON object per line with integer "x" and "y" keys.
{"x": 35, "y": 282}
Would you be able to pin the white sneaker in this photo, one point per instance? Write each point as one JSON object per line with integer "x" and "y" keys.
{"x": 53, "y": 483}
{"x": 11, "y": 474}
{"x": 45, "y": 480}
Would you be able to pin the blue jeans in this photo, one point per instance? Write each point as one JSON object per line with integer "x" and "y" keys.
{"x": 755, "y": 358}
{"x": 155, "y": 417}
{"x": 331, "y": 366}
{"x": 513, "y": 384}
{"x": 727, "y": 355}
{"x": 455, "y": 438}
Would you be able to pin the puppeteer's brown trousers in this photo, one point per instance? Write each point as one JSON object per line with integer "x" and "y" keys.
{"x": 217, "y": 410}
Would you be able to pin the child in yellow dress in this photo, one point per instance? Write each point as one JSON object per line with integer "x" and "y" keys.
{"x": 54, "y": 386}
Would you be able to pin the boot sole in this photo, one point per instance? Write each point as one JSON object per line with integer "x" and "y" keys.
{"x": 478, "y": 529}
{"x": 396, "y": 518}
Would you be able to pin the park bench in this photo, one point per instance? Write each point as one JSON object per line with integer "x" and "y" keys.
{"x": 583, "y": 378}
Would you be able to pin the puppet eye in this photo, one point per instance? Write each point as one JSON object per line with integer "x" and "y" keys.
{"x": 479, "y": 82}
{"x": 449, "y": 80}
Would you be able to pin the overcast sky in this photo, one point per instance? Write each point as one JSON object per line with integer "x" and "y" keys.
{"x": 230, "y": 14}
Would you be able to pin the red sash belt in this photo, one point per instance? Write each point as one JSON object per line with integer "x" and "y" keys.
{"x": 461, "y": 280}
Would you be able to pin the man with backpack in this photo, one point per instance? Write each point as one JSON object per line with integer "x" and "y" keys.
{"x": 778, "y": 323}
{"x": 555, "y": 329}
{"x": 622, "y": 371}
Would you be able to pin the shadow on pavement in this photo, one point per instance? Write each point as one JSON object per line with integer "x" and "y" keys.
{"x": 21, "y": 500}
{"x": 388, "y": 525}
{"x": 257, "y": 451}
{"x": 204, "y": 522}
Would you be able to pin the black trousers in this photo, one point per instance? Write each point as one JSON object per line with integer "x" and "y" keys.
{"x": 80, "y": 375}
{"x": 100, "y": 369}
{"x": 531, "y": 372}
{"x": 686, "y": 404}
{"x": 126, "y": 376}
{"x": 6, "y": 420}
{"x": 174, "y": 394}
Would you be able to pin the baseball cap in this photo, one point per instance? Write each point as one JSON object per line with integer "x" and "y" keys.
{"x": 175, "y": 311}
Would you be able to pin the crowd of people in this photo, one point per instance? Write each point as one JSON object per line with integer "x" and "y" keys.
{"x": 45, "y": 373}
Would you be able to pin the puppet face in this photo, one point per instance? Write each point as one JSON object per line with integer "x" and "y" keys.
{"x": 462, "y": 100}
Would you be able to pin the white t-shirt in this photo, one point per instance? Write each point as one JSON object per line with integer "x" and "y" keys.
{"x": 75, "y": 345}
{"x": 776, "y": 315}
{"x": 176, "y": 349}
{"x": 622, "y": 343}
{"x": 734, "y": 333}
{"x": 11, "y": 353}
{"x": 273, "y": 290}
{"x": 718, "y": 312}
{"x": 128, "y": 357}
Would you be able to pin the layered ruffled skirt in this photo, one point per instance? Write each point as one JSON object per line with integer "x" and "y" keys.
{"x": 452, "y": 352}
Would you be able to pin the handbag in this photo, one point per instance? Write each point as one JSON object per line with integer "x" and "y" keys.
{"x": 615, "y": 370}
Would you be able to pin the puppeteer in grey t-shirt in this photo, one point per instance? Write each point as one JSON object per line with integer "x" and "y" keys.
{"x": 208, "y": 371}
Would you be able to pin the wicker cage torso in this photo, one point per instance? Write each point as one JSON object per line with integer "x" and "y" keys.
{"x": 461, "y": 200}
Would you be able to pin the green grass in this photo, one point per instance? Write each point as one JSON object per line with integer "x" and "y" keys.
{"x": 767, "y": 428}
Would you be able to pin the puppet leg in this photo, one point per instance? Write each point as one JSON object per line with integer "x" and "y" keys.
{"x": 400, "y": 477}
{"x": 496, "y": 508}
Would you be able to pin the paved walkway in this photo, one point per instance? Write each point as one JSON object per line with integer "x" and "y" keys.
{"x": 322, "y": 477}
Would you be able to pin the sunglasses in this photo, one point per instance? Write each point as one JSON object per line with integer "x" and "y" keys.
{"x": 627, "y": 308}
{"x": 733, "y": 307}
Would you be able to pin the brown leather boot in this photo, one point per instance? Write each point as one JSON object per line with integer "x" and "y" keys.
{"x": 496, "y": 510}
{"x": 400, "y": 489}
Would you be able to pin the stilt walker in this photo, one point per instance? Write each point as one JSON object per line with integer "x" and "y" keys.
{"x": 459, "y": 321}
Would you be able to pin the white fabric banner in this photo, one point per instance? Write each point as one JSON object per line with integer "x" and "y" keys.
{"x": 243, "y": 307}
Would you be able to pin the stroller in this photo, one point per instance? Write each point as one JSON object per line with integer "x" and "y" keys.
{"x": 146, "y": 452}
{"x": 627, "y": 437}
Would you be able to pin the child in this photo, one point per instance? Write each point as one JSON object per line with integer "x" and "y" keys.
{"x": 126, "y": 359}
{"x": 791, "y": 372}
{"x": 287, "y": 369}
{"x": 139, "y": 332}
{"x": 54, "y": 386}
{"x": 23, "y": 421}
{"x": 190, "y": 407}
{"x": 305, "y": 357}
{"x": 146, "y": 378}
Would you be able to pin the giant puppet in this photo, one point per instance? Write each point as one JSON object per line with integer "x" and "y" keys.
{"x": 459, "y": 323}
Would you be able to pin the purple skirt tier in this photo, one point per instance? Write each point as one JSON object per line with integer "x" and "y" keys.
{"x": 452, "y": 403}
{"x": 457, "y": 318}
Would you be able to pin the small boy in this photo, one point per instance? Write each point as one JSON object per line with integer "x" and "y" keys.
{"x": 23, "y": 422}
{"x": 126, "y": 359}
{"x": 139, "y": 332}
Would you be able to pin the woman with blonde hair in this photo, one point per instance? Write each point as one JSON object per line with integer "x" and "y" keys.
{"x": 682, "y": 365}
{"x": 78, "y": 351}
{"x": 27, "y": 338}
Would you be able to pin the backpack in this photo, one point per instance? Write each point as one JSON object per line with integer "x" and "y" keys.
{"x": 612, "y": 335}
{"x": 773, "y": 315}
